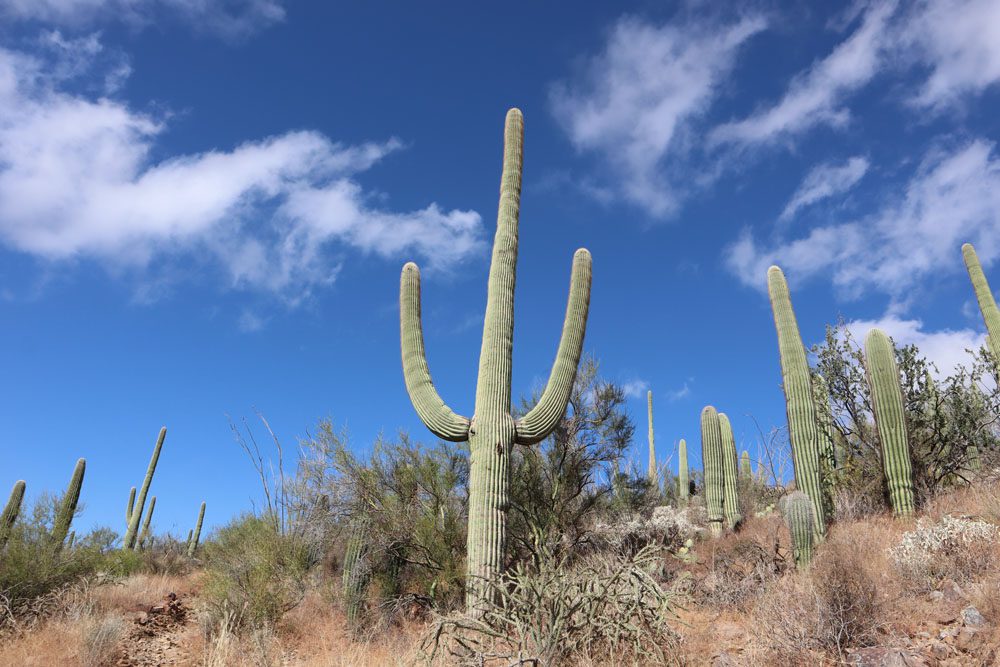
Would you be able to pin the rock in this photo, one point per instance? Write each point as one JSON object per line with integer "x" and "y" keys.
{"x": 935, "y": 596}
{"x": 724, "y": 660}
{"x": 951, "y": 591}
{"x": 971, "y": 617}
{"x": 885, "y": 657}
{"x": 157, "y": 609}
{"x": 969, "y": 640}
{"x": 939, "y": 651}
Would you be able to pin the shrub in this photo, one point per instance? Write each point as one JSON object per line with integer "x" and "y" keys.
{"x": 100, "y": 639}
{"x": 956, "y": 548}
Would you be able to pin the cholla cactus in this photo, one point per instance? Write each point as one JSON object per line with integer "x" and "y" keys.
{"x": 64, "y": 516}
{"x": 135, "y": 511}
{"x": 797, "y": 384}
{"x": 711, "y": 456}
{"x": 10, "y": 512}
{"x": 730, "y": 482}
{"x": 492, "y": 432}
{"x": 887, "y": 405}
{"x": 798, "y": 512}
{"x": 683, "y": 479}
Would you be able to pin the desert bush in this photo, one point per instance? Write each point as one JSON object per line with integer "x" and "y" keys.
{"x": 953, "y": 547}
{"x": 254, "y": 572}
{"x": 606, "y": 608}
{"x": 99, "y": 640}
{"x": 739, "y": 567}
{"x": 667, "y": 528}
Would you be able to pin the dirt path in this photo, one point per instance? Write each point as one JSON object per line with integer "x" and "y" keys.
{"x": 153, "y": 638}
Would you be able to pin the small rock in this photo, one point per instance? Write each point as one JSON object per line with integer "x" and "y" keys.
{"x": 724, "y": 660}
{"x": 968, "y": 640}
{"x": 939, "y": 651}
{"x": 972, "y": 618}
{"x": 951, "y": 590}
{"x": 885, "y": 657}
{"x": 948, "y": 633}
{"x": 935, "y": 596}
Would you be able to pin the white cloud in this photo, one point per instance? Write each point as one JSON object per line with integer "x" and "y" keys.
{"x": 678, "y": 394}
{"x": 77, "y": 181}
{"x": 823, "y": 181}
{"x": 250, "y": 322}
{"x": 953, "y": 198}
{"x": 635, "y": 388}
{"x": 815, "y": 96}
{"x": 638, "y": 96}
{"x": 946, "y": 348}
{"x": 231, "y": 18}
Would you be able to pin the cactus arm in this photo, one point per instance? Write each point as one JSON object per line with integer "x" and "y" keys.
{"x": 187, "y": 543}
{"x": 652, "y": 446}
{"x": 131, "y": 504}
{"x": 144, "y": 535}
{"x": 193, "y": 538}
{"x": 542, "y": 419}
{"x": 438, "y": 417}
{"x": 984, "y": 295}
{"x": 64, "y": 517}
{"x": 11, "y": 511}
{"x": 128, "y": 542}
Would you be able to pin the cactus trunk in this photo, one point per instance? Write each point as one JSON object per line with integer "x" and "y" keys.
{"x": 128, "y": 508}
{"x": 746, "y": 468}
{"x": 144, "y": 534}
{"x": 193, "y": 538}
{"x": 492, "y": 432}
{"x": 64, "y": 516}
{"x": 132, "y": 532}
{"x": 683, "y": 480}
{"x": 798, "y": 510}
{"x": 356, "y": 574}
{"x": 711, "y": 456}
{"x": 730, "y": 481}
{"x": 654, "y": 477}
{"x": 11, "y": 511}
{"x": 797, "y": 385}
{"x": 890, "y": 418}
{"x": 987, "y": 304}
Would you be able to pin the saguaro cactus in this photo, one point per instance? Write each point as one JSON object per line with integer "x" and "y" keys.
{"x": 683, "y": 481}
{"x": 356, "y": 574}
{"x": 711, "y": 456}
{"x": 798, "y": 511}
{"x": 987, "y": 304}
{"x": 11, "y": 511}
{"x": 887, "y": 405}
{"x": 730, "y": 481}
{"x": 128, "y": 508}
{"x": 192, "y": 543}
{"x": 144, "y": 534}
{"x": 492, "y": 431}
{"x": 653, "y": 475}
{"x": 64, "y": 516}
{"x": 799, "y": 406}
{"x": 746, "y": 468}
{"x": 135, "y": 513}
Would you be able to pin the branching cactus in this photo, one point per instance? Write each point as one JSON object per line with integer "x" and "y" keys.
{"x": 799, "y": 406}
{"x": 798, "y": 511}
{"x": 192, "y": 543}
{"x": 987, "y": 304}
{"x": 11, "y": 511}
{"x": 887, "y": 405}
{"x": 711, "y": 456}
{"x": 144, "y": 534}
{"x": 683, "y": 480}
{"x": 654, "y": 477}
{"x": 492, "y": 432}
{"x": 135, "y": 511}
{"x": 356, "y": 574}
{"x": 746, "y": 468}
{"x": 730, "y": 479}
{"x": 64, "y": 515}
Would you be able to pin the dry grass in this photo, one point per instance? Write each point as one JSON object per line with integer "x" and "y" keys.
{"x": 139, "y": 591}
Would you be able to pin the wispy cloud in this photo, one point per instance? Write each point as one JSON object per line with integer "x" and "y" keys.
{"x": 954, "y": 197}
{"x": 636, "y": 100}
{"x": 635, "y": 388}
{"x": 824, "y": 181}
{"x": 946, "y": 348}
{"x": 77, "y": 181}
{"x": 249, "y": 322}
{"x": 678, "y": 394}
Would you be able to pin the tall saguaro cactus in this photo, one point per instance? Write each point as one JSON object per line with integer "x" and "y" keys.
{"x": 64, "y": 515}
{"x": 653, "y": 476}
{"x": 135, "y": 514}
{"x": 987, "y": 304}
{"x": 711, "y": 456}
{"x": 128, "y": 508}
{"x": 193, "y": 537}
{"x": 683, "y": 480}
{"x": 887, "y": 404}
{"x": 730, "y": 480}
{"x": 799, "y": 406}
{"x": 11, "y": 511}
{"x": 492, "y": 431}
{"x": 746, "y": 468}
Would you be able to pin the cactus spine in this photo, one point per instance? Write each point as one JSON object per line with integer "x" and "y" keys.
{"x": 653, "y": 476}
{"x": 135, "y": 514}
{"x": 711, "y": 456}
{"x": 492, "y": 431}
{"x": 797, "y": 385}
{"x": 987, "y": 304}
{"x": 746, "y": 468}
{"x": 730, "y": 481}
{"x": 683, "y": 481}
{"x": 11, "y": 511}
{"x": 798, "y": 511}
{"x": 144, "y": 534}
{"x": 192, "y": 543}
{"x": 887, "y": 405}
{"x": 64, "y": 515}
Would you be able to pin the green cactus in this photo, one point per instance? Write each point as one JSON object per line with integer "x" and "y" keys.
{"x": 11, "y": 511}
{"x": 890, "y": 418}
{"x": 730, "y": 475}
{"x": 492, "y": 432}
{"x": 746, "y": 468}
{"x": 357, "y": 573}
{"x": 131, "y": 504}
{"x": 192, "y": 542}
{"x": 144, "y": 533}
{"x": 797, "y": 385}
{"x": 683, "y": 480}
{"x": 798, "y": 511}
{"x": 711, "y": 456}
{"x": 987, "y": 304}
{"x": 132, "y": 531}
{"x": 64, "y": 515}
{"x": 654, "y": 477}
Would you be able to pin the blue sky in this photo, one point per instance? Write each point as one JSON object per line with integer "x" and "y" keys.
{"x": 205, "y": 205}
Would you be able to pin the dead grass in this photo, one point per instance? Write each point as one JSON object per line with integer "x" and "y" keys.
{"x": 139, "y": 591}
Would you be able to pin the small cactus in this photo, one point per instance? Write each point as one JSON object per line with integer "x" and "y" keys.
{"x": 746, "y": 468}
{"x": 64, "y": 516}
{"x": 144, "y": 534}
{"x": 711, "y": 456}
{"x": 128, "y": 508}
{"x": 987, "y": 304}
{"x": 11, "y": 511}
{"x": 890, "y": 418}
{"x": 683, "y": 479}
{"x": 192, "y": 542}
{"x": 135, "y": 511}
{"x": 798, "y": 511}
{"x": 730, "y": 482}
{"x": 654, "y": 477}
